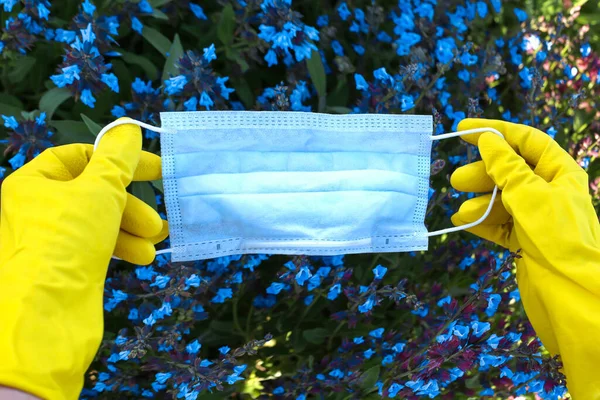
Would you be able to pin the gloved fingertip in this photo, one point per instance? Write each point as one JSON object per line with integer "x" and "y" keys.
{"x": 456, "y": 221}
{"x": 467, "y": 123}
{"x": 163, "y": 233}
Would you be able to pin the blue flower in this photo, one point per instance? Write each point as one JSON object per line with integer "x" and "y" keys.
{"x": 445, "y": 300}
{"x": 175, "y": 85}
{"x": 358, "y": 340}
{"x": 322, "y": 20}
{"x": 376, "y": 333}
{"x": 486, "y": 360}
{"x": 10, "y": 122}
{"x": 521, "y": 14}
{"x": 308, "y": 300}
{"x": 421, "y": 312}
{"x": 278, "y": 390}
{"x": 387, "y": 360}
{"x": 367, "y": 305}
{"x": 209, "y": 53}
{"x": 460, "y": 331}
{"x": 336, "y": 373}
{"x": 161, "y": 281}
{"x": 137, "y": 25}
{"x": 334, "y": 291}
{"x": 493, "y": 302}
{"x": 124, "y": 355}
{"x": 482, "y": 9}
{"x": 479, "y": 328}
{"x": 145, "y": 7}
{"x": 493, "y": 341}
{"x": 111, "y": 81}
{"x": 464, "y": 75}
{"x": 394, "y": 389}
{"x": 68, "y": 76}
{"x": 271, "y": 58}
{"x": 343, "y": 11}
{"x": 206, "y": 101}
{"x": 497, "y": 4}
{"x": 405, "y": 43}
{"x": 361, "y": 84}
{"x": 275, "y": 288}
{"x": 88, "y": 7}
{"x": 358, "y": 49}
{"x": 368, "y": 353}
{"x": 399, "y": 347}
{"x": 337, "y": 48}
{"x": 162, "y": 377}
{"x": 379, "y": 271}
{"x": 222, "y": 295}
{"x": 224, "y": 350}
{"x": 133, "y": 314}
{"x": 87, "y": 98}
{"x": 145, "y": 273}
{"x": 193, "y": 280}
{"x": 303, "y": 275}
{"x": 444, "y": 50}
{"x": 406, "y": 102}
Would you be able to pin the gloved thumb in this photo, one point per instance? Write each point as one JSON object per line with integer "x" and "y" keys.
{"x": 117, "y": 156}
{"x": 507, "y": 169}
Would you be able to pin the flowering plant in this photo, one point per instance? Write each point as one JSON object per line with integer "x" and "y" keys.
{"x": 447, "y": 323}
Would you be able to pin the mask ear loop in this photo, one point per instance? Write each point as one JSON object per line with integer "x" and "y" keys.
{"x": 494, "y": 192}
{"x": 141, "y": 125}
{"x": 132, "y": 122}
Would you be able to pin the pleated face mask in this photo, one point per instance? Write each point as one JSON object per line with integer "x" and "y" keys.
{"x": 238, "y": 182}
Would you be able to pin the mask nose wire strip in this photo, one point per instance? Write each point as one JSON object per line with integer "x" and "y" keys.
{"x": 433, "y": 137}
{"x": 494, "y": 192}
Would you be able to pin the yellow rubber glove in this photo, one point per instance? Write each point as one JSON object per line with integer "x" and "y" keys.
{"x": 545, "y": 210}
{"x": 63, "y": 215}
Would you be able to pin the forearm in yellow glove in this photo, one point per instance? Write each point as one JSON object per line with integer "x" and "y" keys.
{"x": 545, "y": 210}
{"x": 63, "y": 216}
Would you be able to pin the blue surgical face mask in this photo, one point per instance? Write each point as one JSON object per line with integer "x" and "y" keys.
{"x": 240, "y": 182}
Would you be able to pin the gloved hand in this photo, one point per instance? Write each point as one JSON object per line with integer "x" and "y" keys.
{"x": 545, "y": 210}
{"x": 63, "y": 215}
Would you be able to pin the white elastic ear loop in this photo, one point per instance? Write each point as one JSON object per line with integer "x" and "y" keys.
{"x": 129, "y": 121}
{"x": 140, "y": 124}
{"x": 494, "y": 192}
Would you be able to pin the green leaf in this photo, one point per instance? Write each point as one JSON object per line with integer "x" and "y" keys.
{"x": 149, "y": 68}
{"x": 243, "y": 91}
{"x": 156, "y": 13}
{"x": 21, "y": 69}
{"x": 11, "y": 100}
{"x": 9, "y": 110}
{"x": 369, "y": 378}
{"x": 92, "y": 126}
{"x": 175, "y": 53}
{"x": 221, "y": 326}
{"x": 158, "y": 3}
{"x": 235, "y": 55}
{"x": 158, "y": 185}
{"x": 226, "y": 25}
{"x": 316, "y": 335}
{"x": 317, "y": 75}
{"x": 156, "y": 39}
{"x": 338, "y": 110}
{"x": 144, "y": 192}
{"x": 52, "y": 99}
{"x": 72, "y": 132}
